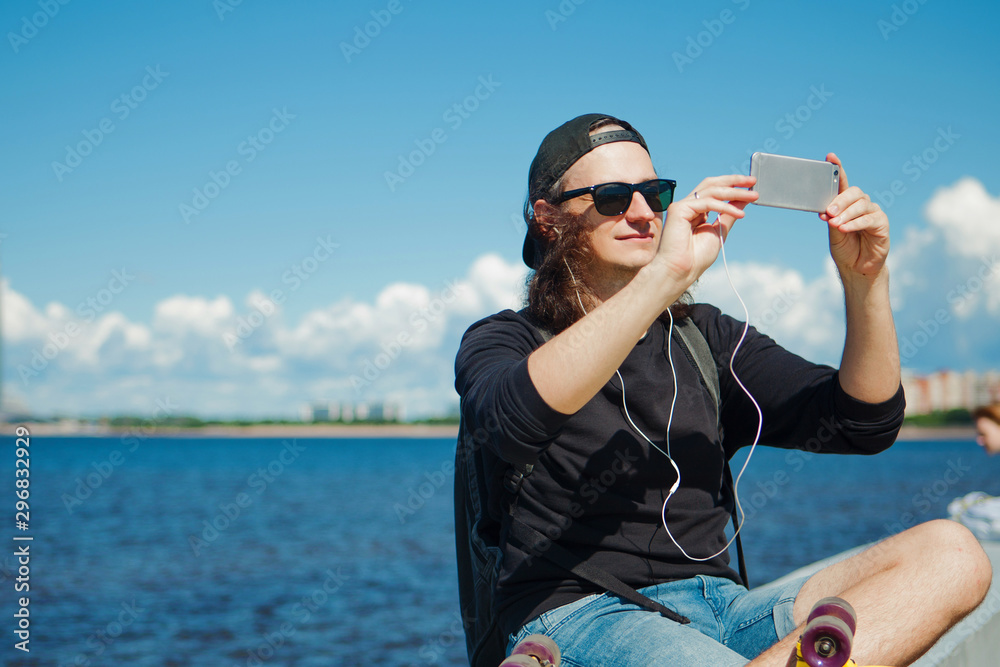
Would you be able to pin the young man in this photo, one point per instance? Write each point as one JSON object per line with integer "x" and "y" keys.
{"x": 987, "y": 420}
{"x": 580, "y": 386}
{"x": 979, "y": 512}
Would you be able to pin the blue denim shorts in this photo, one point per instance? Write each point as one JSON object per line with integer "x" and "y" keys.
{"x": 729, "y": 625}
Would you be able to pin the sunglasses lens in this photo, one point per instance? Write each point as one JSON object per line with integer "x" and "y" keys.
{"x": 612, "y": 198}
{"x": 658, "y": 194}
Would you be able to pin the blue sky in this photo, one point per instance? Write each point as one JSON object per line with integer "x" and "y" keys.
{"x": 216, "y": 154}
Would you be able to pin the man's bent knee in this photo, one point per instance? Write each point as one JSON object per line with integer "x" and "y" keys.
{"x": 958, "y": 556}
{"x": 940, "y": 555}
{"x": 973, "y": 557}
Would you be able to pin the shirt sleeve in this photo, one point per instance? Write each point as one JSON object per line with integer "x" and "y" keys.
{"x": 802, "y": 403}
{"x": 500, "y": 403}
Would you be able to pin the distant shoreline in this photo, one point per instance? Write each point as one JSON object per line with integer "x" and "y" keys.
{"x": 415, "y": 431}
{"x": 251, "y": 431}
{"x": 912, "y": 433}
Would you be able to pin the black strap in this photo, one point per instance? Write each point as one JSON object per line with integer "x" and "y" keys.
{"x": 538, "y": 544}
{"x": 728, "y": 480}
{"x": 701, "y": 354}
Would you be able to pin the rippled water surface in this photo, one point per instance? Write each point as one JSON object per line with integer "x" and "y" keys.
{"x": 225, "y": 552}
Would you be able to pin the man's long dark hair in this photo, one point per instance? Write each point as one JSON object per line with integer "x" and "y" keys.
{"x": 558, "y": 286}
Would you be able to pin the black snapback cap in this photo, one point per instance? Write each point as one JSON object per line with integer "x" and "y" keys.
{"x": 559, "y": 151}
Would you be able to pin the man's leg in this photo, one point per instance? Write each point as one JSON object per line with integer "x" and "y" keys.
{"x": 907, "y": 590}
{"x": 604, "y": 630}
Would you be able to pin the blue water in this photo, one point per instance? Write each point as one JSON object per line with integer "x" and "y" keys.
{"x": 312, "y": 558}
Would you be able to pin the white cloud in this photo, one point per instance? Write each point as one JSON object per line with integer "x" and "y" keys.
{"x": 908, "y": 275}
{"x": 501, "y": 282}
{"x": 224, "y": 359}
{"x": 806, "y": 317}
{"x": 977, "y": 290}
{"x": 21, "y": 320}
{"x": 953, "y": 262}
{"x": 193, "y": 314}
{"x": 968, "y": 217}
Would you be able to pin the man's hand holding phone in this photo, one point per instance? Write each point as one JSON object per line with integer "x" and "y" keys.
{"x": 859, "y": 230}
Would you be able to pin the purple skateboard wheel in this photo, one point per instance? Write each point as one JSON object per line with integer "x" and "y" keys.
{"x": 838, "y": 607}
{"x": 826, "y": 642}
{"x": 519, "y": 661}
{"x": 540, "y": 648}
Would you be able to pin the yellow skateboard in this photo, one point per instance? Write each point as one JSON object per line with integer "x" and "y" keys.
{"x": 828, "y": 636}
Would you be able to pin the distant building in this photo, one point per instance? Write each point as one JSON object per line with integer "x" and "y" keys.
{"x": 383, "y": 412}
{"x": 324, "y": 411}
{"x": 331, "y": 411}
{"x": 949, "y": 390}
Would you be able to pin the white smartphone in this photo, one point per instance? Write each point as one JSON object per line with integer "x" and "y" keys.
{"x": 793, "y": 182}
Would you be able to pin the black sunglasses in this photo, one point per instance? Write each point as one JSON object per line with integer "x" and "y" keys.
{"x": 615, "y": 198}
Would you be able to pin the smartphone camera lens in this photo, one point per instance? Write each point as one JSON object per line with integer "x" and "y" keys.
{"x": 836, "y": 173}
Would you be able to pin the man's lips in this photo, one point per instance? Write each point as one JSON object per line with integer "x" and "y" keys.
{"x": 636, "y": 237}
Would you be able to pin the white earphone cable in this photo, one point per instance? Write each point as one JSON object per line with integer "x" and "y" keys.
{"x": 673, "y": 402}
{"x": 760, "y": 418}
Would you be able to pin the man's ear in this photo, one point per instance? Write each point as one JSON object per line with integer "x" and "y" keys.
{"x": 545, "y": 218}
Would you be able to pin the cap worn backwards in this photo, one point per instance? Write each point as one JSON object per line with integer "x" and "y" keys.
{"x": 559, "y": 151}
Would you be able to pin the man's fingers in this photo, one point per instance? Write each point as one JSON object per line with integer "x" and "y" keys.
{"x": 843, "y": 202}
{"x": 832, "y": 157}
{"x": 727, "y": 181}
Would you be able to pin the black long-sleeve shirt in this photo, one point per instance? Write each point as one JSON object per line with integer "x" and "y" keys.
{"x": 597, "y": 487}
